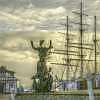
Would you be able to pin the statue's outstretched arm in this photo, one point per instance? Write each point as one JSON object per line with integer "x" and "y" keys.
{"x": 50, "y": 46}
{"x": 33, "y": 45}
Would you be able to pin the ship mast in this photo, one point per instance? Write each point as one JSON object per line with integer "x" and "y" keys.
{"x": 66, "y": 47}
{"x": 81, "y": 36}
{"x": 95, "y": 42}
{"x": 81, "y": 14}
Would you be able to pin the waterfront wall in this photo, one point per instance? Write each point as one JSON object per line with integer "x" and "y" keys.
{"x": 54, "y": 97}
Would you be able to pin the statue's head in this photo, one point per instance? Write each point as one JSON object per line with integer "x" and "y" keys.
{"x": 50, "y": 69}
{"x": 41, "y": 42}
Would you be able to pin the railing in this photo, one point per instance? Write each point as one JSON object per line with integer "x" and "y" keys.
{"x": 72, "y": 95}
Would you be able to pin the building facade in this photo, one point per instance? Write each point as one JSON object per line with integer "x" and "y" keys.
{"x": 8, "y": 82}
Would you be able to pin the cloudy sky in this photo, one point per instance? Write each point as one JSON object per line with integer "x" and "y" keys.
{"x": 24, "y": 20}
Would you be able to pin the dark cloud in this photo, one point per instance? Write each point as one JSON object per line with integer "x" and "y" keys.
{"x": 69, "y": 4}
{"x": 36, "y": 3}
{"x": 16, "y": 4}
{"x": 48, "y": 3}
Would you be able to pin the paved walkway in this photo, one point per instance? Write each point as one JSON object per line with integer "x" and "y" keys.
{"x": 4, "y": 97}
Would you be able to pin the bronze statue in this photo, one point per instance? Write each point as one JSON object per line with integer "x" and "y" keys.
{"x": 43, "y": 51}
{"x": 42, "y": 81}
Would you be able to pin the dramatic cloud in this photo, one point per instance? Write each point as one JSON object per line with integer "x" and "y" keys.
{"x": 25, "y": 20}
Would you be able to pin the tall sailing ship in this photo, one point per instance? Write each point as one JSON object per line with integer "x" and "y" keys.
{"x": 80, "y": 55}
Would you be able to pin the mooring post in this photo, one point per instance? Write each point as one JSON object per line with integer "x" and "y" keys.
{"x": 90, "y": 87}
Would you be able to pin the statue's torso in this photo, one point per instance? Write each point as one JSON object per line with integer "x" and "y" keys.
{"x": 43, "y": 52}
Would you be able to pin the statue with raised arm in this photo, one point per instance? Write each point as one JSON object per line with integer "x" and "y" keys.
{"x": 42, "y": 80}
{"x": 43, "y": 51}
